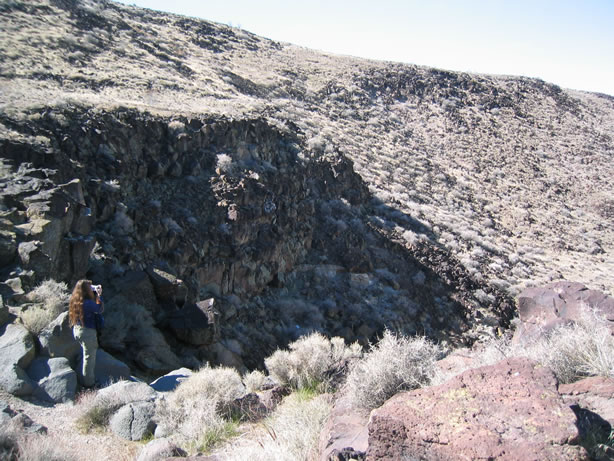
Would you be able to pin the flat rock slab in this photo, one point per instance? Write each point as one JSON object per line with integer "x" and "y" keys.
{"x": 509, "y": 411}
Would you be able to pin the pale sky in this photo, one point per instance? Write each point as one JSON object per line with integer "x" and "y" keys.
{"x": 570, "y": 43}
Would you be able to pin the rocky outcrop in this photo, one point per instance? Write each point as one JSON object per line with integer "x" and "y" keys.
{"x": 544, "y": 308}
{"x": 510, "y": 410}
{"x": 184, "y": 209}
{"x": 18, "y": 420}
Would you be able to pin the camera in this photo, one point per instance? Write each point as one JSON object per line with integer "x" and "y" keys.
{"x": 97, "y": 289}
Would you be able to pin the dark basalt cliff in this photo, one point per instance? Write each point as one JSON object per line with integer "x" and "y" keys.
{"x": 286, "y": 241}
{"x": 177, "y": 161}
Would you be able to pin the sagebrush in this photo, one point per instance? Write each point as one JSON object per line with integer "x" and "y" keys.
{"x": 49, "y": 299}
{"x": 290, "y": 434}
{"x": 572, "y": 351}
{"x": 394, "y": 364}
{"x": 193, "y": 411}
{"x": 311, "y": 361}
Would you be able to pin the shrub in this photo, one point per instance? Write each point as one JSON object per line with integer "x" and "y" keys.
{"x": 311, "y": 361}
{"x": 225, "y": 164}
{"x": 573, "y": 351}
{"x": 193, "y": 409}
{"x": 290, "y": 434}
{"x": 254, "y": 381}
{"x": 584, "y": 348}
{"x": 394, "y": 364}
{"x": 51, "y": 300}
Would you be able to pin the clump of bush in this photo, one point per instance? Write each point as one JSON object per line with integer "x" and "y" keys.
{"x": 572, "y": 351}
{"x": 394, "y": 364}
{"x": 49, "y": 299}
{"x": 193, "y": 411}
{"x": 312, "y": 362}
{"x": 290, "y": 434}
{"x": 254, "y": 381}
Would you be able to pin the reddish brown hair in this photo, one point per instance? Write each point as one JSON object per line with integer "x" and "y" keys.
{"x": 80, "y": 293}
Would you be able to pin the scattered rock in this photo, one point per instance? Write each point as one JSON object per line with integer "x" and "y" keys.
{"x": 270, "y": 398}
{"x": 247, "y": 408}
{"x": 510, "y": 410}
{"x": 4, "y": 313}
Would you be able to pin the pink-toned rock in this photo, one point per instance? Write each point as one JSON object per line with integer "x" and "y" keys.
{"x": 595, "y": 394}
{"x": 544, "y": 308}
{"x": 507, "y": 411}
{"x": 345, "y": 428}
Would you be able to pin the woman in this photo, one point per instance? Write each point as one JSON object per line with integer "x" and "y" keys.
{"x": 83, "y": 307}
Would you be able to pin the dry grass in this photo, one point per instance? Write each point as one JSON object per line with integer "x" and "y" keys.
{"x": 254, "y": 381}
{"x": 20, "y": 446}
{"x": 394, "y": 364}
{"x": 573, "y": 351}
{"x": 291, "y": 433}
{"x": 310, "y": 361}
{"x": 50, "y": 299}
{"x": 192, "y": 412}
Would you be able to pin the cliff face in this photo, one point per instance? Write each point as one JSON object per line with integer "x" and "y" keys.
{"x": 284, "y": 239}
{"x": 174, "y": 160}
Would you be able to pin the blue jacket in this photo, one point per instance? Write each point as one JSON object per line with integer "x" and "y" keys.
{"x": 90, "y": 308}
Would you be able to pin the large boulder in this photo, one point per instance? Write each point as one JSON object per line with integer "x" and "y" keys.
{"x": 134, "y": 421}
{"x": 510, "y": 410}
{"x": 544, "y": 308}
{"x": 168, "y": 288}
{"x": 109, "y": 369}
{"x": 123, "y": 392}
{"x": 57, "y": 381}
{"x": 16, "y": 352}
{"x": 57, "y": 339}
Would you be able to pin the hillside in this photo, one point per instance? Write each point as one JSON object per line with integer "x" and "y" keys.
{"x": 488, "y": 183}
{"x": 235, "y": 195}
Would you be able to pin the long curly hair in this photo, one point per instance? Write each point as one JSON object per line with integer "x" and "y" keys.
{"x": 80, "y": 293}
